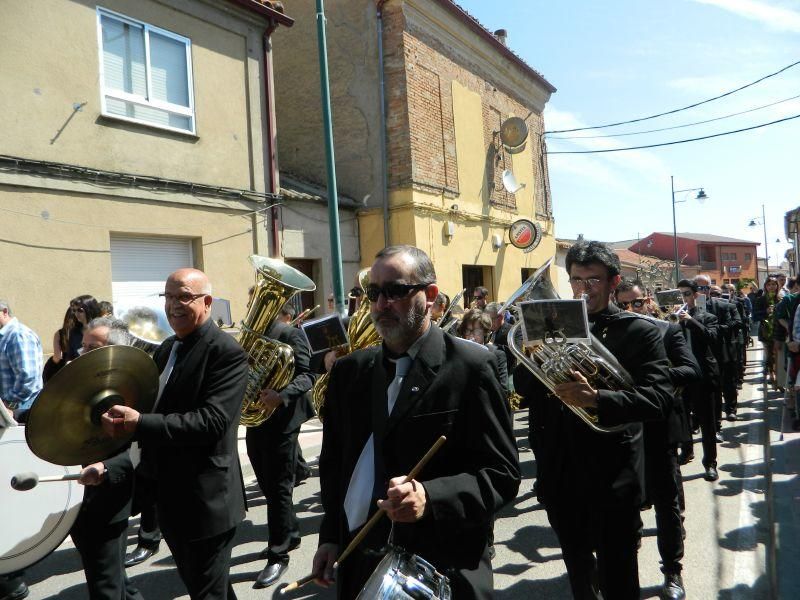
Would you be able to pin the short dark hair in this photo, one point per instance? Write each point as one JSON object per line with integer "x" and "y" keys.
{"x": 586, "y": 253}
{"x": 288, "y": 310}
{"x": 627, "y": 285}
{"x": 423, "y": 267}
{"x": 477, "y": 316}
{"x": 481, "y": 290}
{"x": 441, "y": 299}
{"x": 106, "y": 308}
{"x": 689, "y": 283}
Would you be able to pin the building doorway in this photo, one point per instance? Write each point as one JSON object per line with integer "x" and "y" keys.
{"x": 473, "y": 276}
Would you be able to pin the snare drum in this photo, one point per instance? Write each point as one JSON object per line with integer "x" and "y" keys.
{"x": 404, "y": 576}
{"x": 35, "y": 522}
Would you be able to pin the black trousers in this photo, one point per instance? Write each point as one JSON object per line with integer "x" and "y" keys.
{"x": 729, "y": 379}
{"x": 273, "y": 455}
{"x": 144, "y": 502}
{"x": 664, "y": 491}
{"x": 702, "y": 398}
{"x": 102, "y": 550}
{"x": 204, "y": 565}
{"x": 599, "y": 548}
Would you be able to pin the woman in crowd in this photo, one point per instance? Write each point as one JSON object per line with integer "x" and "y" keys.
{"x": 67, "y": 340}
{"x": 763, "y": 309}
{"x": 476, "y": 327}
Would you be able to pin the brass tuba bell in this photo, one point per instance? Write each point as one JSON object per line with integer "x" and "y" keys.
{"x": 271, "y": 363}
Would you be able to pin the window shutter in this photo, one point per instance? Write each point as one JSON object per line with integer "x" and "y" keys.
{"x": 141, "y": 265}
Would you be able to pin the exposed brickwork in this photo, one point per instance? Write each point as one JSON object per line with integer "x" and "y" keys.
{"x": 419, "y": 71}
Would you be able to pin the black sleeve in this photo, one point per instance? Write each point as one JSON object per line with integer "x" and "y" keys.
{"x": 646, "y": 361}
{"x": 330, "y": 463}
{"x": 706, "y": 327}
{"x": 683, "y": 366}
{"x": 303, "y": 379}
{"x": 219, "y": 407}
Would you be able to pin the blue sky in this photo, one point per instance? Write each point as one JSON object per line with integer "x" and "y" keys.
{"x": 622, "y": 59}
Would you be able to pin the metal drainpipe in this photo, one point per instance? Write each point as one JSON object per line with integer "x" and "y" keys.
{"x": 382, "y": 91}
{"x": 272, "y": 157}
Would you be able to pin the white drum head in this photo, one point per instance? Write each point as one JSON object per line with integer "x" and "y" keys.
{"x": 33, "y": 523}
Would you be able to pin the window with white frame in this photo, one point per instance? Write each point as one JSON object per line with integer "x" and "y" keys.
{"x": 145, "y": 73}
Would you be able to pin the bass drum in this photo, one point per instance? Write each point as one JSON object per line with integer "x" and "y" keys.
{"x": 404, "y": 576}
{"x": 35, "y": 522}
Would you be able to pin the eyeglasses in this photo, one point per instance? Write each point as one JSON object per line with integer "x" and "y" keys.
{"x": 393, "y": 291}
{"x": 703, "y": 288}
{"x": 636, "y": 303}
{"x": 687, "y": 293}
{"x": 584, "y": 283}
{"x": 184, "y": 299}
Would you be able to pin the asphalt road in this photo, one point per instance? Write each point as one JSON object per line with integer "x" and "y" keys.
{"x": 725, "y": 523}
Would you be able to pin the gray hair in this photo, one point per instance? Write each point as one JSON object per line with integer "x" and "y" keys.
{"x": 493, "y": 309}
{"x": 117, "y": 330}
{"x": 423, "y": 267}
{"x": 4, "y": 306}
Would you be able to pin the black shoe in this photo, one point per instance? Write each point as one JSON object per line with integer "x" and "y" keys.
{"x": 293, "y": 545}
{"x": 270, "y": 574}
{"x": 139, "y": 555}
{"x": 731, "y": 416}
{"x": 718, "y": 437}
{"x": 711, "y": 473}
{"x": 685, "y": 459}
{"x": 673, "y": 587}
{"x": 300, "y": 475}
{"x": 18, "y": 593}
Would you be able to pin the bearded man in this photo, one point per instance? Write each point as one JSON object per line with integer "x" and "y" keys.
{"x": 384, "y": 408}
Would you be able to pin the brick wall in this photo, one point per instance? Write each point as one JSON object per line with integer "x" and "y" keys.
{"x": 419, "y": 70}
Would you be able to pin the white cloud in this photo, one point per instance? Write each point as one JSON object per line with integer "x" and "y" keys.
{"x": 775, "y": 17}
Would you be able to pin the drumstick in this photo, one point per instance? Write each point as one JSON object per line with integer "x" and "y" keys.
{"x": 377, "y": 516}
{"x": 23, "y": 482}
{"x": 371, "y": 523}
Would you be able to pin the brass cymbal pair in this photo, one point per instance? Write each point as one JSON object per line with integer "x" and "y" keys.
{"x": 63, "y": 425}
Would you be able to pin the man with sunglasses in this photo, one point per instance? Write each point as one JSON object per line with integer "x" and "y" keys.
{"x": 701, "y": 330}
{"x": 663, "y": 481}
{"x": 479, "y": 295}
{"x": 728, "y": 326}
{"x": 189, "y": 440}
{"x": 592, "y": 483}
{"x": 385, "y": 407}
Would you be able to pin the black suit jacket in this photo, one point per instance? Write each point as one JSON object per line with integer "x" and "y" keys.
{"x": 683, "y": 370}
{"x": 701, "y": 332}
{"x": 577, "y": 464}
{"x": 728, "y": 324}
{"x": 189, "y": 442}
{"x": 451, "y": 389}
{"x": 296, "y": 409}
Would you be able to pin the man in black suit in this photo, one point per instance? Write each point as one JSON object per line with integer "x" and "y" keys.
{"x": 273, "y": 451}
{"x": 663, "y": 481}
{"x": 385, "y": 407}
{"x": 591, "y": 483}
{"x": 499, "y": 335}
{"x": 728, "y": 325}
{"x": 189, "y": 440}
{"x": 701, "y": 330}
{"x": 99, "y": 533}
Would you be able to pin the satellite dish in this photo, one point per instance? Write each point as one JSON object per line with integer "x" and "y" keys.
{"x": 514, "y": 135}
{"x": 510, "y": 182}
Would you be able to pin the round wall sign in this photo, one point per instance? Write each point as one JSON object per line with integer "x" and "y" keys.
{"x": 525, "y": 234}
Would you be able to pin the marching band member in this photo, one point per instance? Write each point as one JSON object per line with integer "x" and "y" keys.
{"x": 385, "y": 407}
{"x": 189, "y": 439}
{"x": 591, "y": 483}
{"x": 663, "y": 481}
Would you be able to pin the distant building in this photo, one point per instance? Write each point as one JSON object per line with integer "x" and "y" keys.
{"x": 722, "y": 259}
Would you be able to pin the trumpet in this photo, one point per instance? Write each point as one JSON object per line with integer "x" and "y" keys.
{"x": 674, "y": 317}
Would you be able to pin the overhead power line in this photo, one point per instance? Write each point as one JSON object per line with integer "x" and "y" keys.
{"x": 670, "y": 112}
{"x": 697, "y": 139}
{"x": 614, "y": 135}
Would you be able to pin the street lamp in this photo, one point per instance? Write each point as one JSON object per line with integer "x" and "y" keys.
{"x": 701, "y": 196}
{"x": 754, "y": 223}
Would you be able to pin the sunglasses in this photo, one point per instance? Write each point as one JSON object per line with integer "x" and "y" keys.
{"x": 637, "y": 303}
{"x": 393, "y": 291}
{"x": 703, "y": 288}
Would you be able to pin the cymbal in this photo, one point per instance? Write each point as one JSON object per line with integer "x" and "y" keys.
{"x": 63, "y": 425}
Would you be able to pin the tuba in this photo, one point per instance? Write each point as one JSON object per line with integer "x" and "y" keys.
{"x": 553, "y": 361}
{"x": 147, "y": 324}
{"x": 362, "y": 334}
{"x": 271, "y": 363}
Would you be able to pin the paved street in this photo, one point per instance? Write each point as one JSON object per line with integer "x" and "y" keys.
{"x": 726, "y": 525}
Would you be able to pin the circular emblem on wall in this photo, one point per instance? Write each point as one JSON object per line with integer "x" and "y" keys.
{"x": 525, "y": 234}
